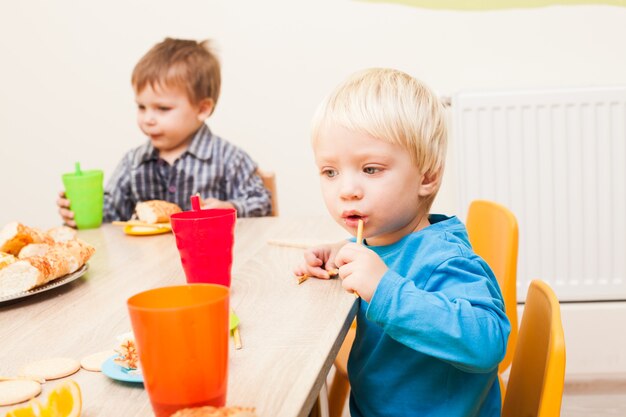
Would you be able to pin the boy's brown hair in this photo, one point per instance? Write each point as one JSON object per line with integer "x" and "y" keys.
{"x": 180, "y": 63}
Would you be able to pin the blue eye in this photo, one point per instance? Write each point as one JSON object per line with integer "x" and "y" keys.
{"x": 371, "y": 170}
{"x": 330, "y": 173}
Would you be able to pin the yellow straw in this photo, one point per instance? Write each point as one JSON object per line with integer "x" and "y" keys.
{"x": 237, "y": 338}
{"x": 359, "y": 233}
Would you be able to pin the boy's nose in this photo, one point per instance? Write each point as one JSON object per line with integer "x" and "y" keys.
{"x": 350, "y": 190}
{"x": 150, "y": 119}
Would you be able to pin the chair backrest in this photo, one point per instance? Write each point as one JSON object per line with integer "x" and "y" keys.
{"x": 535, "y": 386}
{"x": 269, "y": 181}
{"x": 493, "y": 233}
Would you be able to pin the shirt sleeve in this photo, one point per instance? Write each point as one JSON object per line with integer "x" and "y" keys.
{"x": 246, "y": 191}
{"x": 457, "y": 317}
{"x": 118, "y": 201}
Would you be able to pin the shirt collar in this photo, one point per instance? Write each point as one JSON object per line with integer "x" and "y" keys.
{"x": 202, "y": 143}
{"x": 200, "y": 147}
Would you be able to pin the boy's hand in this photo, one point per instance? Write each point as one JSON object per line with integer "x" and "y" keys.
{"x": 210, "y": 203}
{"x": 361, "y": 269}
{"x": 318, "y": 261}
{"x": 64, "y": 210}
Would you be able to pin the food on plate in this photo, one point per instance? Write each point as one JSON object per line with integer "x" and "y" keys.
{"x": 14, "y": 236}
{"x": 33, "y": 249}
{"x": 62, "y": 233}
{"x": 127, "y": 356}
{"x": 53, "y": 368}
{"x": 209, "y": 411}
{"x": 6, "y": 259}
{"x": 31, "y": 258}
{"x": 94, "y": 361}
{"x": 17, "y": 391}
{"x": 65, "y": 400}
{"x": 155, "y": 211}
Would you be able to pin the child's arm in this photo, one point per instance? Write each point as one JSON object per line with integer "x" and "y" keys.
{"x": 119, "y": 203}
{"x": 245, "y": 190}
{"x": 318, "y": 261}
{"x": 210, "y": 203}
{"x": 457, "y": 316}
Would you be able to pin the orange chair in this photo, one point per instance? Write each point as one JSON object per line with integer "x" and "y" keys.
{"x": 535, "y": 386}
{"x": 493, "y": 233}
{"x": 269, "y": 182}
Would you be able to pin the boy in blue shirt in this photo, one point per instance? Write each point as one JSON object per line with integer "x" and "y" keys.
{"x": 431, "y": 326}
{"x": 177, "y": 84}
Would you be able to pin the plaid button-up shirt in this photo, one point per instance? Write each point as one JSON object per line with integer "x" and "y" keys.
{"x": 210, "y": 166}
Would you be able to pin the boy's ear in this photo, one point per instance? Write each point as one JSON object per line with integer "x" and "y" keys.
{"x": 430, "y": 183}
{"x": 205, "y": 108}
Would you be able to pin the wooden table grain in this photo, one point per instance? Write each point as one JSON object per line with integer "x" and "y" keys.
{"x": 291, "y": 333}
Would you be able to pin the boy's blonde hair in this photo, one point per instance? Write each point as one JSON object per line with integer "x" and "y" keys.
{"x": 179, "y": 63}
{"x": 392, "y": 106}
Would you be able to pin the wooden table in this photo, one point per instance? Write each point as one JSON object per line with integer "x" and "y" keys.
{"x": 291, "y": 333}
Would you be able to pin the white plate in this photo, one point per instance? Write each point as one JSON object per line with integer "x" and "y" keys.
{"x": 48, "y": 286}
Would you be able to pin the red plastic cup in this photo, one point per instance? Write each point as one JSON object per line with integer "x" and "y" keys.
{"x": 182, "y": 340}
{"x": 205, "y": 240}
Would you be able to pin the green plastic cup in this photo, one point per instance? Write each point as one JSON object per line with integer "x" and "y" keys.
{"x": 86, "y": 194}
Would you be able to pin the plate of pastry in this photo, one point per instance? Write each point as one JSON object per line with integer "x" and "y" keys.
{"x": 119, "y": 373}
{"x": 151, "y": 217}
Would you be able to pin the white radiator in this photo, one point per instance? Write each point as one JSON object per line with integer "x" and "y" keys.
{"x": 557, "y": 159}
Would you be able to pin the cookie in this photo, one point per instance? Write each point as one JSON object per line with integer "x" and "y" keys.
{"x": 53, "y": 368}
{"x": 17, "y": 391}
{"x": 94, "y": 362}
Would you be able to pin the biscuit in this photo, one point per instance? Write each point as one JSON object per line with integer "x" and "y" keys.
{"x": 53, "y": 368}
{"x": 94, "y": 362}
{"x": 17, "y": 391}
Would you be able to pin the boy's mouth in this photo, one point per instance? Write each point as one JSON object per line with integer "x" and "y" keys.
{"x": 351, "y": 218}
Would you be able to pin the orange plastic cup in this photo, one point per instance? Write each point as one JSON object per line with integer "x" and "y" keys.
{"x": 181, "y": 334}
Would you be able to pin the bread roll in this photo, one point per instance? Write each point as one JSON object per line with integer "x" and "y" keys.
{"x": 156, "y": 211}
{"x": 210, "y": 411}
{"x": 77, "y": 252}
{"x": 28, "y": 273}
{"x": 6, "y": 259}
{"x": 31, "y": 258}
{"x": 14, "y": 236}
{"x": 62, "y": 233}
{"x": 77, "y": 249}
{"x": 33, "y": 249}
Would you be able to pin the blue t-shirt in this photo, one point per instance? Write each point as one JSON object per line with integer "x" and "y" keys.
{"x": 431, "y": 338}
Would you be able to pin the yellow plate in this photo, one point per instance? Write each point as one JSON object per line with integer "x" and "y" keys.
{"x": 145, "y": 231}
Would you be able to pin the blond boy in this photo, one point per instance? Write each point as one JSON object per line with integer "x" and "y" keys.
{"x": 177, "y": 85}
{"x": 431, "y": 326}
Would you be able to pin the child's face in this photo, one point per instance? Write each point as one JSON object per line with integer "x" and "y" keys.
{"x": 168, "y": 118}
{"x": 367, "y": 178}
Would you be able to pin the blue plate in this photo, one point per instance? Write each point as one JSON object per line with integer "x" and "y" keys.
{"x": 114, "y": 371}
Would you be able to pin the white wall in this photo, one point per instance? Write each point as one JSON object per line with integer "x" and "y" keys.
{"x": 65, "y": 93}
